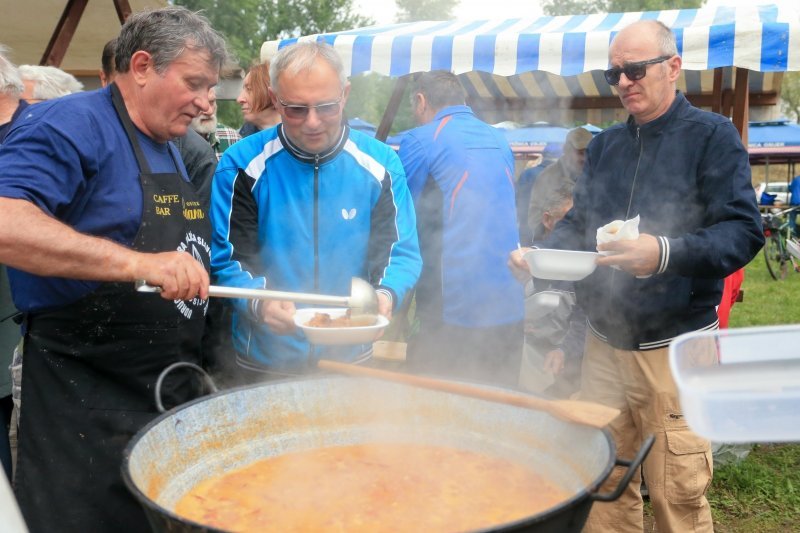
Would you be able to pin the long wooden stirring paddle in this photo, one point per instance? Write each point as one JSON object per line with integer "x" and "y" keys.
{"x": 579, "y": 412}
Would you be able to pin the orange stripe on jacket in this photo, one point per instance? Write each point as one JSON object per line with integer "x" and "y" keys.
{"x": 510, "y": 178}
{"x": 444, "y": 121}
{"x": 455, "y": 192}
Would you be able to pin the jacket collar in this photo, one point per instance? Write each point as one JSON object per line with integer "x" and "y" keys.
{"x": 655, "y": 126}
{"x": 452, "y": 110}
{"x": 307, "y": 157}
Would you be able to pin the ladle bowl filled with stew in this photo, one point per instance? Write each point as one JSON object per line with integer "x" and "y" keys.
{"x": 358, "y": 454}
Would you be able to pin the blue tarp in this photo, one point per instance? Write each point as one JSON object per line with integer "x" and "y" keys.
{"x": 363, "y": 126}
{"x": 776, "y": 134}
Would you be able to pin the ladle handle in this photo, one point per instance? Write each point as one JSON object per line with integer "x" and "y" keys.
{"x": 261, "y": 294}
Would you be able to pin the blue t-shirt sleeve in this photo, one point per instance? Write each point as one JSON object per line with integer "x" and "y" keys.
{"x": 42, "y": 165}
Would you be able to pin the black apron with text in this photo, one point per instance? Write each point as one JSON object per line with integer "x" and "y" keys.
{"x": 90, "y": 369}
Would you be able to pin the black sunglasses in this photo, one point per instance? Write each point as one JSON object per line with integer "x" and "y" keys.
{"x": 326, "y": 110}
{"x": 633, "y": 71}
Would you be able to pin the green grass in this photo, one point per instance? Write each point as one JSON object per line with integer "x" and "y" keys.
{"x": 762, "y": 492}
{"x": 767, "y": 301}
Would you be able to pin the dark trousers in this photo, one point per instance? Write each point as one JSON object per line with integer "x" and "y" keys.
{"x": 490, "y": 355}
{"x": 6, "y": 406}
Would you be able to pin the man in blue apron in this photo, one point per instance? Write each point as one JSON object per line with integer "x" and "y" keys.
{"x": 93, "y": 197}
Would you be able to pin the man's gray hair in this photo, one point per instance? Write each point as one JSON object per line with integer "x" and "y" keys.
{"x": 300, "y": 57}
{"x": 10, "y": 82}
{"x": 440, "y": 88}
{"x": 49, "y": 82}
{"x": 557, "y": 197}
{"x": 165, "y": 34}
{"x": 665, "y": 39}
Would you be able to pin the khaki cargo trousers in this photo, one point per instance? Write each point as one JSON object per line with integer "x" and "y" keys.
{"x": 677, "y": 470}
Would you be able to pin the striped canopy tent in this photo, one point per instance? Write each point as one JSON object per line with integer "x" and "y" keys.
{"x": 550, "y": 68}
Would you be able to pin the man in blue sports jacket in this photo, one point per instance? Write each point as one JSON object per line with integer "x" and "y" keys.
{"x": 305, "y": 206}
{"x": 460, "y": 172}
{"x": 686, "y": 174}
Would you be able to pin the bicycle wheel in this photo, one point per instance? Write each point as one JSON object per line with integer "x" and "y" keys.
{"x": 775, "y": 258}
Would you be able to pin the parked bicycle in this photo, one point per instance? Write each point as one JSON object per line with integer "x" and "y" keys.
{"x": 782, "y": 248}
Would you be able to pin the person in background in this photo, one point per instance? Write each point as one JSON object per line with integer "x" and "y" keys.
{"x": 686, "y": 174}
{"x": 565, "y": 170}
{"x": 46, "y": 83}
{"x": 794, "y": 201}
{"x": 197, "y": 155}
{"x": 257, "y": 107}
{"x": 11, "y": 107}
{"x": 106, "y": 209}
{"x": 554, "y": 335}
{"x": 218, "y": 135}
{"x": 460, "y": 173}
{"x": 524, "y": 186}
{"x": 305, "y": 206}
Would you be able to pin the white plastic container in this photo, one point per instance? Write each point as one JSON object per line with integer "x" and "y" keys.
{"x": 740, "y": 385}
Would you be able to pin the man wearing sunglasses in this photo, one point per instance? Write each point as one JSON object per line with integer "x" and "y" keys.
{"x": 304, "y": 207}
{"x": 686, "y": 174}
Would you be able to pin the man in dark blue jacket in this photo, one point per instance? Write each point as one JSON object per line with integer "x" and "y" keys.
{"x": 686, "y": 174}
{"x": 460, "y": 173}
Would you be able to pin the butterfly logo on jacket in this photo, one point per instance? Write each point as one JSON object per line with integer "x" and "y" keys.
{"x": 349, "y": 215}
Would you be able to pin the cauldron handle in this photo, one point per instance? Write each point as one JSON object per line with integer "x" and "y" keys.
{"x": 633, "y": 465}
{"x": 206, "y": 379}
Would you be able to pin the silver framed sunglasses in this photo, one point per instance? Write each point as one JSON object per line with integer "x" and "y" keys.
{"x": 324, "y": 110}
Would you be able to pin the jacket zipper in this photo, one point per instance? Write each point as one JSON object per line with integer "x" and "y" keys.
{"x": 630, "y": 199}
{"x": 636, "y": 173}
{"x": 316, "y": 223}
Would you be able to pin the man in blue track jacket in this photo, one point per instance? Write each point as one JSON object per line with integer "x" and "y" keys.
{"x": 305, "y": 206}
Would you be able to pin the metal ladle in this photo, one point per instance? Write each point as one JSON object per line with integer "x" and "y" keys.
{"x": 363, "y": 299}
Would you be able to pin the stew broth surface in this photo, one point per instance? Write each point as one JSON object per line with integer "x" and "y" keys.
{"x": 371, "y": 487}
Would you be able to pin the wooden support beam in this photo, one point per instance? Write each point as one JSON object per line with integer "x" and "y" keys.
{"x": 392, "y": 107}
{"x": 741, "y": 103}
{"x": 612, "y": 102}
{"x": 123, "y": 8}
{"x": 62, "y": 35}
{"x": 716, "y": 94}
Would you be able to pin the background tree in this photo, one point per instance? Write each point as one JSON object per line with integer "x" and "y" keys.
{"x": 578, "y": 7}
{"x": 370, "y": 93}
{"x": 790, "y": 95}
{"x": 246, "y": 24}
{"x": 412, "y": 10}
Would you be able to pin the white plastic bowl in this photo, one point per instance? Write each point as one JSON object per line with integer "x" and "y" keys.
{"x": 566, "y": 265}
{"x": 331, "y": 336}
{"x": 740, "y": 385}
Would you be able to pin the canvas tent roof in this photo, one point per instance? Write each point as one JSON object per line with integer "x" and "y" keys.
{"x": 26, "y": 28}
{"x": 549, "y": 59}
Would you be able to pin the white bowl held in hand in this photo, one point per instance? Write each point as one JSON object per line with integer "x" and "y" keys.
{"x": 565, "y": 265}
{"x": 340, "y": 335}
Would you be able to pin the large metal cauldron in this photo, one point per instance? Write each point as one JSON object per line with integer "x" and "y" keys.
{"x": 231, "y": 429}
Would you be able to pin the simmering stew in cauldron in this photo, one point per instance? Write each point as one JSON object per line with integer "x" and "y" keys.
{"x": 371, "y": 487}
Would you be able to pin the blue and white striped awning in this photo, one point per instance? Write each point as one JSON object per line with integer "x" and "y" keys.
{"x": 759, "y": 38}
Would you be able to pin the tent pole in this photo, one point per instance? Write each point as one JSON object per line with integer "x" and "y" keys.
{"x": 716, "y": 94}
{"x": 63, "y": 32}
{"x": 741, "y": 103}
{"x": 392, "y": 107}
{"x": 123, "y": 8}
